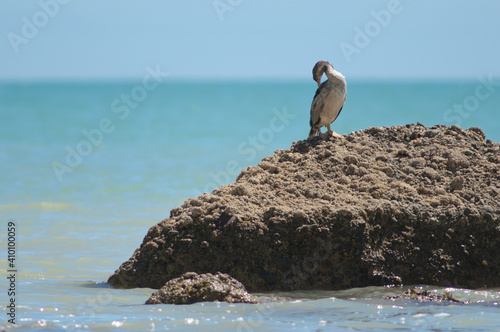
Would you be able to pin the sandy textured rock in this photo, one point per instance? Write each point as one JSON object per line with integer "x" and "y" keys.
{"x": 192, "y": 287}
{"x": 407, "y": 204}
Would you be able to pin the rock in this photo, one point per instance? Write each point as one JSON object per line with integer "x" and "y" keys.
{"x": 457, "y": 161}
{"x": 192, "y": 288}
{"x": 421, "y": 295}
{"x": 417, "y": 162}
{"x": 406, "y": 204}
{"x": 457, "y": 183}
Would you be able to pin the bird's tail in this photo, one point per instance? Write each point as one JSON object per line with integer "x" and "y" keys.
{"x": 312, "y": 133}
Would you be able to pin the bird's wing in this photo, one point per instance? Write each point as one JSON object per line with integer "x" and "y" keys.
{"x": 340, "y": 110}
{"x": 317, "y": 105}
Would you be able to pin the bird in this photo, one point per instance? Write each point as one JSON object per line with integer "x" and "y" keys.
{"x": 328, "y": 100}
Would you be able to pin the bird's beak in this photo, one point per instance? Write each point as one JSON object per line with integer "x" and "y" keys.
{"x": 319, "y": 82}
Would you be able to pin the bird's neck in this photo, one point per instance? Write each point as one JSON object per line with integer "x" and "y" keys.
{"x": 333, "y": 75}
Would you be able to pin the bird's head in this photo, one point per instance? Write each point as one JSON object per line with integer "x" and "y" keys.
{"x": 319, "y": 69}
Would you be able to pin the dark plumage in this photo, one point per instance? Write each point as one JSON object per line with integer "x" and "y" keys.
{"x": 328, "y": 100}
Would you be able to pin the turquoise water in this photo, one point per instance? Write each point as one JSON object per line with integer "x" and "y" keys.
{"x": 87, "y": 168}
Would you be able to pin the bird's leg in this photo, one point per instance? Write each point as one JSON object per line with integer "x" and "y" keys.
{"x": 328, "y": 133}
{"x": 331, "y": 133}
{"x": 325, "y": 135}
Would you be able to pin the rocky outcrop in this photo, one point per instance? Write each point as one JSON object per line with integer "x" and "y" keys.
{"x": 192, "y": 288}
{"x": 422, "y": 295}
{"x": 407, "y": 204}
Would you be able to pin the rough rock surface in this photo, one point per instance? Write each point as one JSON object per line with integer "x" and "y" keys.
{"x": 421, "y": 295}
{"x": 407, "y": 204}
{"x": 192, "y": 287}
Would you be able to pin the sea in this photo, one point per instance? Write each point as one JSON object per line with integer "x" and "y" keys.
{"x": 87, "y": 167}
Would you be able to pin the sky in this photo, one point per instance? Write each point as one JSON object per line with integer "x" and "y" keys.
{"x": 248, "y": 39}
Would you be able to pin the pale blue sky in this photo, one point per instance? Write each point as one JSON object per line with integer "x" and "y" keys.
{"x": 251, "y": 39}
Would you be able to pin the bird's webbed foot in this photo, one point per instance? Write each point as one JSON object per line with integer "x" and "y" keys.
{"x": 331, "y": 134}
